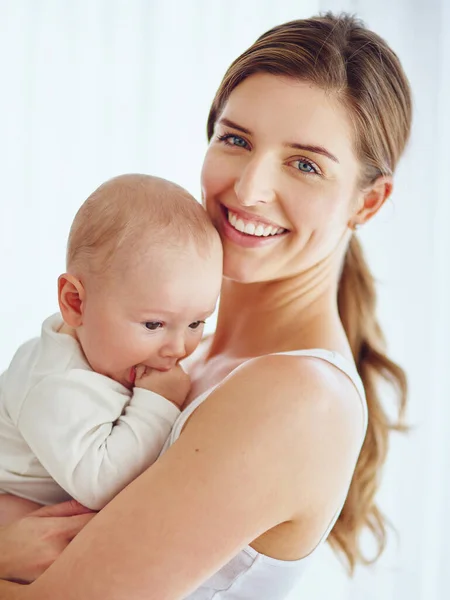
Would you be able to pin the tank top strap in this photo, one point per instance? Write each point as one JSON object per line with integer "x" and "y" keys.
{"x": 340, "y": 362}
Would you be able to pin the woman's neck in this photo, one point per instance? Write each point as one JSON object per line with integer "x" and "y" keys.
{"x": 260, "y": 318}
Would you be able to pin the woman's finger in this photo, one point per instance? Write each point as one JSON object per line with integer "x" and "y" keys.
{"x": 75, "y": 524}
{"x": 64, "y": 509}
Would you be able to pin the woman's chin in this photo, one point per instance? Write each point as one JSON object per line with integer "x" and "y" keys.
{"x": 241, "y": 271}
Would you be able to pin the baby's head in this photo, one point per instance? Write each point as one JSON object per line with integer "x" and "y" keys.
{"x": 144, "y": 268}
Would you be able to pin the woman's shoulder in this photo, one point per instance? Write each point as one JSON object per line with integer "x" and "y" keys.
{"x": 286, "y": 392}
{"x": 305, "y": 377}
{"x": 315, "y": 382}
{"x": 291, "y": 419}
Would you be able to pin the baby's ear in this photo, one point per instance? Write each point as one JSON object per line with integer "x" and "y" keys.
{"x": 71, "y": 297}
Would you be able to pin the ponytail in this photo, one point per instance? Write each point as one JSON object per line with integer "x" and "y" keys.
{"x": 357, "y": 309}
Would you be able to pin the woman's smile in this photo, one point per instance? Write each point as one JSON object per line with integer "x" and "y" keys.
{"x": 250, "y": 232}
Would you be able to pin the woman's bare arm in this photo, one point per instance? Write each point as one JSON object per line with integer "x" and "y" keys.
{"x": 260, "y": 451}
{"x": 12, "y": 591}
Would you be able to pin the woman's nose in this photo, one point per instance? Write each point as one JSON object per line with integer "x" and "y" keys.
{"x": 256, "y": 183}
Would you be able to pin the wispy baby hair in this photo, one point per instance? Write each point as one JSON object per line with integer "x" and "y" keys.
{"x": 133, "y": 213}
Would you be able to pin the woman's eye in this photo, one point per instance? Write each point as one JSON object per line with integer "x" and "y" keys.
{"x": 238, "y": 141}
{"x": 152, "y": 325}
{"x": 233, "y": 140}
{"x": 196, "y": 324}
{"x": 305, "y": 166}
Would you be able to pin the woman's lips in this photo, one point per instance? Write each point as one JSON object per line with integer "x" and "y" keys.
{"x": 243, "y": 239}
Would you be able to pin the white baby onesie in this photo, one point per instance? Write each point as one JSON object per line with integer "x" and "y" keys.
{"x": 69, "y": 432}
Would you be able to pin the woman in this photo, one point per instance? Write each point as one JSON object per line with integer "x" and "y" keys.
{"x": 272, "y": 452}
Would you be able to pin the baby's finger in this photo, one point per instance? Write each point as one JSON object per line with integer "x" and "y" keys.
{"x": 140, "y": 371}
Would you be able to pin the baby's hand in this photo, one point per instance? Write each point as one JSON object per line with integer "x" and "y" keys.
{"x": 174, "y": 385}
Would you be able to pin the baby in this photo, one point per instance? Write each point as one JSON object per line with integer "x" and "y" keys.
{"x": 88, "y": 405}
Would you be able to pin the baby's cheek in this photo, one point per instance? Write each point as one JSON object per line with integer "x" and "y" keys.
{"x": 192, "y": 345}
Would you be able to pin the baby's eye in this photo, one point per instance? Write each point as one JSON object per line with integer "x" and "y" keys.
{"x": 196, "y": 324}
{"x": 152, "y": 325}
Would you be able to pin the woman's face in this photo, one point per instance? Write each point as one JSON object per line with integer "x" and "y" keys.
{"x": 280, "y": 178}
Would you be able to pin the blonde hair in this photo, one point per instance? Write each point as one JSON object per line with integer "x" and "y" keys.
{"x": 338, "y": 54}
{"x": 130, "y": 214}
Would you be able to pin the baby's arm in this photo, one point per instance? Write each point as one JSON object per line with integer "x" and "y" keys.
{"x": 90, "y": 436}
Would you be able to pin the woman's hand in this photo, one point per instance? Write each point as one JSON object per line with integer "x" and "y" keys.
{"x": 13, "y": 508}
{"x": 29, "y": 545}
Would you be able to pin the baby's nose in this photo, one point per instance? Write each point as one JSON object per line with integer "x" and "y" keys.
{"x": 176, "y": 348}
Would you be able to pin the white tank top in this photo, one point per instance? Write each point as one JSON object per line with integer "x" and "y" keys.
{"x": 251, "y": 575}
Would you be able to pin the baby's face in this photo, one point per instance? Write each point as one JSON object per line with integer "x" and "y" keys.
{"x": 152, "y": 315}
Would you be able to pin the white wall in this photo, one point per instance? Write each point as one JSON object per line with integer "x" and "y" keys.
{"x": 91, "y": 89}
{"x": 94, "y": 88}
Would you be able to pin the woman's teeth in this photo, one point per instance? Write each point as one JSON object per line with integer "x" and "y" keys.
{"x": 252, "y": 228}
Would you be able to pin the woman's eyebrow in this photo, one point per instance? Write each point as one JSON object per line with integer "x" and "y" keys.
{"x": 233, "y": 125}
{"x": 315, "y": 149}
{"x": 296, "y": 146}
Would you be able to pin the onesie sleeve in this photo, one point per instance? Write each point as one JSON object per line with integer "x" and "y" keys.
{"x": 91, "y": 437}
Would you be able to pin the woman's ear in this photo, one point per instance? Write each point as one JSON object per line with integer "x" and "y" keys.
{"x": 71, "y": 298}
{"x": 371, "y": 200}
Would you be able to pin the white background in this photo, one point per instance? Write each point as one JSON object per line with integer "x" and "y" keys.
{"x": 94, "y": 88}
